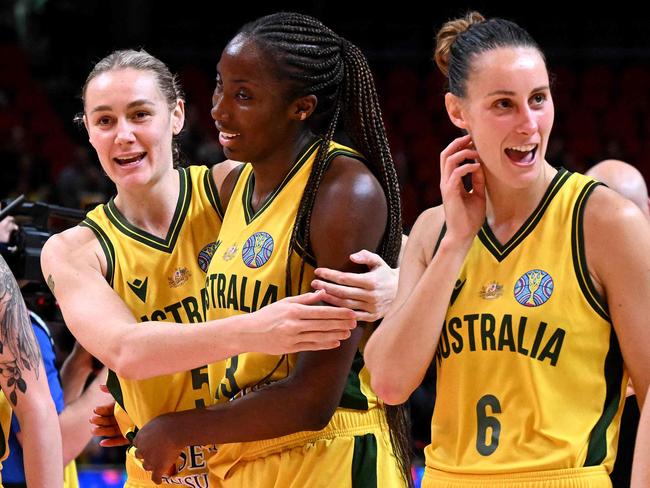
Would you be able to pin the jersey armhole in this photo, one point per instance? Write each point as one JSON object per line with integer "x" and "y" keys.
{"x": 212, "y": 192}
{"x": 578, "y": 255}
{"x": 443, "y": 230}
{"x": 107, "y": 247}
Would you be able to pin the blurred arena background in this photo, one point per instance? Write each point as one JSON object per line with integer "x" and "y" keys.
{"x": 600, "y": 60}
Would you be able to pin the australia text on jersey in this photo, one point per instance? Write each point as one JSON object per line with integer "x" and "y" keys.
{"x": 486, "y": 332}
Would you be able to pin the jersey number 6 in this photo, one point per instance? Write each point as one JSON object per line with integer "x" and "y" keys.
{"x": 485, "y": 422}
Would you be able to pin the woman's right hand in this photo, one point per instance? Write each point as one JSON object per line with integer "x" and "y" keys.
{"x": 464, "y": 211}
{"x": 299, "y": 323}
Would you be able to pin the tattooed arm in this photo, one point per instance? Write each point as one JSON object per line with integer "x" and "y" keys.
{"x": 24, "y": 384}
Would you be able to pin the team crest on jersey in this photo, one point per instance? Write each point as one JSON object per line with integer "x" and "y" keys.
{"x": 180, "y": 276}
{"x": 230, "y": 253}
{"x": 257, "y": 250}
{"x": 205, "y": 255}
{"x": 534, "y": 288}
{"x": 491, "y": 290}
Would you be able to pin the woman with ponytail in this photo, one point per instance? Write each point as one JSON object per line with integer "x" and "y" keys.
{"x": 512, "y": 288}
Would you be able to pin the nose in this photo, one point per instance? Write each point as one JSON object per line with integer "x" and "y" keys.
{"x": 219, "y": 110}
{"x": 528, "y": 121}
{"x": 124, "y": 134}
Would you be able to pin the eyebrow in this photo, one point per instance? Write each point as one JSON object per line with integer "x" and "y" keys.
{"x": 135, "y": 103}
{"x": 512, "y": 94}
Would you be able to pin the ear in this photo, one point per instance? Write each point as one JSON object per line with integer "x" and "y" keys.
{"x": 455, "y": 110}
{"x": 303, "y": 107}
{"x": 178, "y": 117}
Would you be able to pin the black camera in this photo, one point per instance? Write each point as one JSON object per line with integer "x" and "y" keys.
{"x": 36, "y": 221}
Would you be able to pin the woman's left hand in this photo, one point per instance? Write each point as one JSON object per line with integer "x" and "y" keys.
{"x": 155, "y": 448}
{"x": 369, "y": 294}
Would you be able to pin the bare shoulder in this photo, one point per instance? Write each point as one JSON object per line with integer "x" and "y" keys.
{"x": 426, "y": 231}
{"x": 609, "y": 217}
{"x": 348, "y": 180}
{"x": 225, "y": 176}
{"x": 77, "y": 245}
{"x": 221, "y": 170}
{"x": 613, "y": 223}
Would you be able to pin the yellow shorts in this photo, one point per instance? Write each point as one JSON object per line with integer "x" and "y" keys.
{"x": 353, "y": 451}
{"x": 192, "y": 470}
{"x": 591, "y": 477}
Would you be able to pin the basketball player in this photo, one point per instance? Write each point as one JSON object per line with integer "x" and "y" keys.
{"x": 141, "y": 259}
{"x": 521, "y": 291}
{"x": 284, "y": 83}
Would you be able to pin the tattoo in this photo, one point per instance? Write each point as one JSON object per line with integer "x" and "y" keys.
{"x": 50, "y": 283}
{"x": 16, "y": 335}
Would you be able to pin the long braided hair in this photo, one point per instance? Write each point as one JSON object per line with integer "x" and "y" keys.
{"x": 316, "y": 61}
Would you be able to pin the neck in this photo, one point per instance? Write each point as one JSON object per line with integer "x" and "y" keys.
{"x": 270, "y": 171}
{"x": 151, "y": 208}
{"x": 507, "y": 207}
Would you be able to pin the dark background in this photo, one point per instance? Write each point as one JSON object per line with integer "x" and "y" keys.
{"x": 599, "y": 57}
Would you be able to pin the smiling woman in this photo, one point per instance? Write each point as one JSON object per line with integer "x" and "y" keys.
{"x": 512, "y": 289}
{"x": 134, "y": 270}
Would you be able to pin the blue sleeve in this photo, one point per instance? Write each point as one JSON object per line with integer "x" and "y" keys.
{"x": 49, "y": 360}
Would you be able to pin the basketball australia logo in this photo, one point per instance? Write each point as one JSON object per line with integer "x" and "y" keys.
{"x": 257, "y": 250}
{"x": 534, "y": 288}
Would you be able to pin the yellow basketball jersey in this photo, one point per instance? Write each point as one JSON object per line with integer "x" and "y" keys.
{"x": 162, "y": 280}
{"x": 529, "y": 372}
{"x": 248, "y": 271}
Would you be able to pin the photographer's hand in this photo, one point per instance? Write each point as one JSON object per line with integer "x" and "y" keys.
{"x": 7, "y": 226}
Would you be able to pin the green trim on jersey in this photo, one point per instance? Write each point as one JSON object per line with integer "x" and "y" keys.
{"x": 213, "y": 193}
{"x": 501, "y": 251}
{"x": 164, "y": 245}
{"x": 107, "y": 247}
{"x": 114, "y": 388}
{"x": 443, "y": 231}
{"x": 578, "y": 252}
{"x": 597, "y": 450}
{"x": 249, "y": 213}
{"x": 353, "y": 397}
{"x": 364, "y": 461}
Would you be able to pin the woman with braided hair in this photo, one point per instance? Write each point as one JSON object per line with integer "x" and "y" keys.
{"x": 527, "y": 292}
{"x": 285, "y": 85}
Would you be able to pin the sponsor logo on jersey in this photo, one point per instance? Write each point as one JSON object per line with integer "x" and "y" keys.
{"x": 205, "y": 255}
{"x": 491, "y": 291}
{"x": 230, "y": 253}
{"x": 180, "y": 276}
{"x": 257, "y": 250}
{"x": 139, "y": 287}
{"x": 534, "y": 288}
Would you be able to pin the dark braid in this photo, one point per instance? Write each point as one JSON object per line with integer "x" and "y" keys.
{"x": 317, "y": 61}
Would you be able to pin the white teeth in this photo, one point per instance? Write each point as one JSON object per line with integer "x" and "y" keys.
{"x": 228, "y": 136}
{"x": 132, "y": 159}
{"x": 526, "y": 148}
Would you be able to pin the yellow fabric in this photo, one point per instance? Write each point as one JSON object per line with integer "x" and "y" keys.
{"x": 313, "y": 459}
{"x": 592, "y": 477}
{"x": 70, "y": 479}
{"x": 5, "y": 426}
{"x": 162, "y": 279}
{"x": 247, "y": 272}
{"x": 525, "y": 388}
